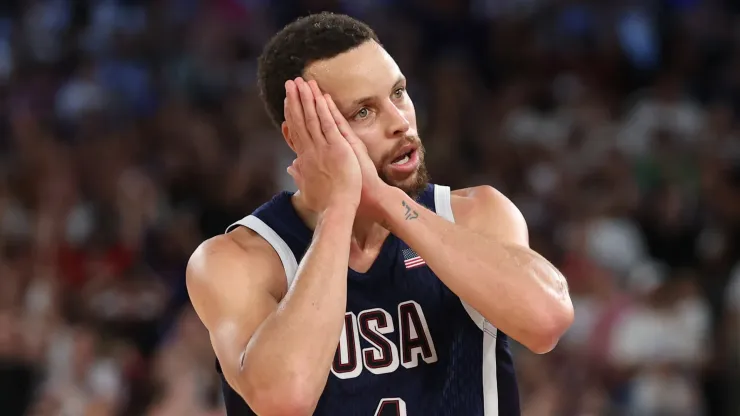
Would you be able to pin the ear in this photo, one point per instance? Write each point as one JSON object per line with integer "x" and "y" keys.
{"x": 286, "y": 134}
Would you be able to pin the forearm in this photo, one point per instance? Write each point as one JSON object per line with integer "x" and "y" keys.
{"x": 296, "y": 344}
{"x": 513, "y": 287}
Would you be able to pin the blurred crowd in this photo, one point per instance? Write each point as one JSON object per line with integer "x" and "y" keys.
{"x": 131, "y": 130}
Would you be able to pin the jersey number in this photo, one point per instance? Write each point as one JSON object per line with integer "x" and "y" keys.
{"x": 391, "y": 407}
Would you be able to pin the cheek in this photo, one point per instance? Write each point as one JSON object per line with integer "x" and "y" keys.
{"x": 378, "y": 156}
{"x": 409, "y": 112}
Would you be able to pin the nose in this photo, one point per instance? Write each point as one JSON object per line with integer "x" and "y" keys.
{"x": 398, "y": 124}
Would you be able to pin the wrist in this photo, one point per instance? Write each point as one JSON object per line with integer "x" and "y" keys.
{"x": 338, "y": 211}
{"x": 390, "y": 203}
{"x": 343, "y": 200}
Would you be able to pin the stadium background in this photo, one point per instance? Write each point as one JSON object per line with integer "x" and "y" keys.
{"x": 131, "y": 130}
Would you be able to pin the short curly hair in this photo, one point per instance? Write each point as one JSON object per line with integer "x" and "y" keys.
{"x": 306, "y": 40}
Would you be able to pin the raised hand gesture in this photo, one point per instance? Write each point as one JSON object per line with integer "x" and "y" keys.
{"x": 326, "y": 170}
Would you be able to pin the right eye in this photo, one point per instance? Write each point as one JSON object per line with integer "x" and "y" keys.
{"x": 362, "y": 114}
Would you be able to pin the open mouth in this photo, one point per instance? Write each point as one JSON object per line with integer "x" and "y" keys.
{"x": 406, "y": 161}
{"x": 403, "y": 158}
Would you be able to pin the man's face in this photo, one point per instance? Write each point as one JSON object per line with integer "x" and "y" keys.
{"x": 370, "y": 91}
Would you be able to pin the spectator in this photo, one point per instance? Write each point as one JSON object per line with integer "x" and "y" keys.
{"x": 130, "y": 131}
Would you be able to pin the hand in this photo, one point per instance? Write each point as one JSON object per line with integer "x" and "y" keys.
{"x": 372, "y": 186}
{"x": 326, "y": 170}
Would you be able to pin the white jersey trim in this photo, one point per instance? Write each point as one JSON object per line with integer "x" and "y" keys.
{"x": 443, "y": 206}
{"x": 278, "y": 244}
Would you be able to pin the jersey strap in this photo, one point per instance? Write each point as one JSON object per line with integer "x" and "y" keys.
{"x": 290, "y": 264}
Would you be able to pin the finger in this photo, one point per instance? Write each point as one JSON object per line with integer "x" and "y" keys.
{"x": 296, "y": 177}
{"x": 314, "y": 86}
{"x": 292, "y": 172}
{"x": 296, "y": 115}
{"x": 309, "y": 112}
{"x": 342, "y": 124}
{"x": 345, "y": 130}
{"x": 328, "y": 125}
{"x": 292, "y": 132}
{"x": 293, "y": 169}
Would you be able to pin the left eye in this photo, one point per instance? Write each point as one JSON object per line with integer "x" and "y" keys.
{"x": 399, "y": 92}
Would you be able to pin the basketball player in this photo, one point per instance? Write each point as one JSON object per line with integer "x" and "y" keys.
{"x": 368, "y": 291}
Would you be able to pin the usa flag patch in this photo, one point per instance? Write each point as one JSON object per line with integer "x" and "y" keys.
{"x": 411, "y": 259}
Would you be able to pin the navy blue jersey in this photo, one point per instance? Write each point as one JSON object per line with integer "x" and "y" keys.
{"x": 409, "y": 345}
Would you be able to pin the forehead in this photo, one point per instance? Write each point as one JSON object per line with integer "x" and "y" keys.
{"x": 365, "y": 71}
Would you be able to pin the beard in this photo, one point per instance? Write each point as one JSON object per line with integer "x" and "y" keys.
{"x": 414, "y": 184}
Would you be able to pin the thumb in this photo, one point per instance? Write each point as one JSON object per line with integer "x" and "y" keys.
{"x": 293, "y": 169}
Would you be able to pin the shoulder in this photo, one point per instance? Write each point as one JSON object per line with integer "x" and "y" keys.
{"x": 486, "y": 209}
{"x": 238, "y": 258}
{"x": 484, "y": 202}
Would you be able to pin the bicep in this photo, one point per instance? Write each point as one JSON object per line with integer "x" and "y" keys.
{"x": 232, "y": 294}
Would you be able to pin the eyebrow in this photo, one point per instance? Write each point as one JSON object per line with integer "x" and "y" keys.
{"x": 364, "y": 100}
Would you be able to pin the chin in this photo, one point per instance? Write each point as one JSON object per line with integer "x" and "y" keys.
{"x": 413, "y": 185}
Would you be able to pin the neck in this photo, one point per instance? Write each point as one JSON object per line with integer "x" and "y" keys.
{"x": 366, "y": 233}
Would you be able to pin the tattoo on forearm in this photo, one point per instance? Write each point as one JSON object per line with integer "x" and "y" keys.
{"x": 410, "y": 213}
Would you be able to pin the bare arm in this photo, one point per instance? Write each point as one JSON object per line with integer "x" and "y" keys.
{"x": 275, "y": 353}
{"x": 486, "y": 260}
